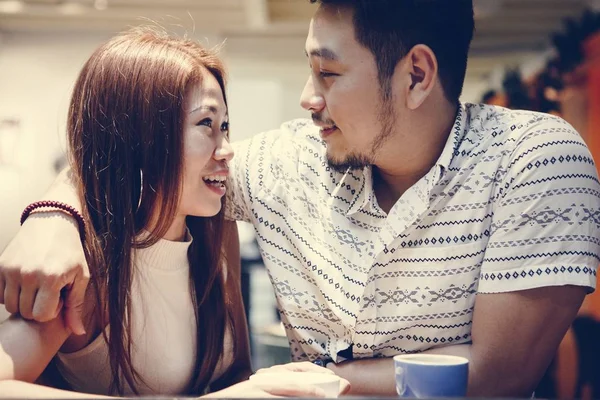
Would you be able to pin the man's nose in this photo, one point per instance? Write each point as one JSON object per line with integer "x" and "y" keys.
{"x": 311, "y": 100}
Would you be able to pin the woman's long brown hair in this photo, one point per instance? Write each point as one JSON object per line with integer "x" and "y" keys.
{"x": 126, "y": 122}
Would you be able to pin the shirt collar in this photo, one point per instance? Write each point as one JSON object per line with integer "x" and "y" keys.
{"x": 454, "y": 139}
{"x": 364, "y": 194}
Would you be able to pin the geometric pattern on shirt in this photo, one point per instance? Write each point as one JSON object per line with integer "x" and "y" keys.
{"x": 512, "y": 203}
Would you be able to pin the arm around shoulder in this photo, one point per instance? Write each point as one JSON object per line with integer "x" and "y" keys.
{"x": 45, "y": 256}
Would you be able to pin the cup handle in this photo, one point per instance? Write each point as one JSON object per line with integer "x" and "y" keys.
{"x": 400, "y": 383}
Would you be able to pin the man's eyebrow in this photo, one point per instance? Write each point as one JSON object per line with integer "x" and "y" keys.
{"x": 322, "y": 53}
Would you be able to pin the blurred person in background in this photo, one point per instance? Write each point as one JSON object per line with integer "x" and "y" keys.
{"x": 148, "y": 134}
{"x": 399, "y": 220}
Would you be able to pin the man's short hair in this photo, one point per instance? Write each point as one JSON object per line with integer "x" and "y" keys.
{"x": 390, "y": 28}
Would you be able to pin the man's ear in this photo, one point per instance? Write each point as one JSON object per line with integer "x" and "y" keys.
{"x": 423, "y": 69}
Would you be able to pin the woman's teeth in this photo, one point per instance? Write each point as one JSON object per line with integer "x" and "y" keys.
{"x": 215, "y": 180}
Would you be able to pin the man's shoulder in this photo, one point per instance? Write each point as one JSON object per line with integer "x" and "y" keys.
{"x": 280, "y": 153}
{"x": 515, "y": 125}
{"x": 290, "y": 136}
{"x": 499, "y": 130}
{"x": 531, "y": 149}
{"x": 301, "y": 128}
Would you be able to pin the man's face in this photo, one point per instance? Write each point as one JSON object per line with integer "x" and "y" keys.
{"x": 343, "y": 93}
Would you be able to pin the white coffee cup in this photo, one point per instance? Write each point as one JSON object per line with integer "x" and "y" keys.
{"x": 330, "y": 383}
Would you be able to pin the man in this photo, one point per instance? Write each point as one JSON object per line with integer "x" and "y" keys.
{"x": 405, "y": 222}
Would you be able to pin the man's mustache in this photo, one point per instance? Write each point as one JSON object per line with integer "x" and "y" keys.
{"x": 318, "y": 118}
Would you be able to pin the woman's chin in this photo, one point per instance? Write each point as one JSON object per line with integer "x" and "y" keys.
{"x": 206, "y": 210}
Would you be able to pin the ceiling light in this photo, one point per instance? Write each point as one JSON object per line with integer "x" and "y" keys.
{"x": 69, "y": 8}
{"x": 100, "y": 4}
{"x": 11, "y": 7}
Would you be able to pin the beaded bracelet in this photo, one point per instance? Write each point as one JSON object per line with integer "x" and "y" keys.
{"x": 56, "y": 204}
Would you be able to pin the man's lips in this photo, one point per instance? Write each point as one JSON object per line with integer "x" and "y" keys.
{"x": 327, "y": 131}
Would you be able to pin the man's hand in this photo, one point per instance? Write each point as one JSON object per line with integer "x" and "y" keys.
{"x": 45, "y": 257}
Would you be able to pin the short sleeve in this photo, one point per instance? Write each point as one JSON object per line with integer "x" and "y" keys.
{"x": 546, "y": 213}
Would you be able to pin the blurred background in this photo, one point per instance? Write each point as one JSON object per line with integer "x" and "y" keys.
{"x": 542, "y": 55}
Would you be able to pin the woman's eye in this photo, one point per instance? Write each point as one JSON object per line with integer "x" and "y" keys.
{"x": 225, "y": 127}
{"x": 205, "y": 122}
{"x": 324, "y": 74}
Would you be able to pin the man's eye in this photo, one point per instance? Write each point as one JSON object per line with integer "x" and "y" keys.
{"x": 205, "y": 122}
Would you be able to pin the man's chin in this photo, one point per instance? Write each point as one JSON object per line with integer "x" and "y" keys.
{"x": 348, "y": 163}
{"x": 337, "y": 167}
{"x": 336, "y": 163}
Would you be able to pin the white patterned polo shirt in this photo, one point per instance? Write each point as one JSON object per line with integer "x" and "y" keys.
{"x": 512, "y": 203}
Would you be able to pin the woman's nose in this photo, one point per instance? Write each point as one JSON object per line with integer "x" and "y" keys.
{"x": 224, "y": 152}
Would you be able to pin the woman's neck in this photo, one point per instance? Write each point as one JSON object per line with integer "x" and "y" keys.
{"x": 176, "y": 232}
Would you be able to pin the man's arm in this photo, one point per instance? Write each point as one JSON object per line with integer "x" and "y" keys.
{"x": 514, "y": 337}
{"x": 64, "y": 189}
{"x": 44, "y": 257}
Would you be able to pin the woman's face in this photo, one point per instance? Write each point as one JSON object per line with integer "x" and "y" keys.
{"x": 206, "y": 149}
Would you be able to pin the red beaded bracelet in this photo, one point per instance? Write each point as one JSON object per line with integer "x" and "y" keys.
{"x": 56, "y": 204}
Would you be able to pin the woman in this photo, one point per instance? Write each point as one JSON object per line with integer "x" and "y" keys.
{"x": 163, "y": 313}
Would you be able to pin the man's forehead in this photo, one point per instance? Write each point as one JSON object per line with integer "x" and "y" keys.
{"x": 328, "y": 36}
{"x": 332, "y": 17}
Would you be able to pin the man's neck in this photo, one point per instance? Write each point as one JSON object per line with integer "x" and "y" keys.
{"x": 398, "y": 170}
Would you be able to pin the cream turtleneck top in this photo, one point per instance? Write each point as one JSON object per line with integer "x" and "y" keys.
{"x": 163, "y": 330}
